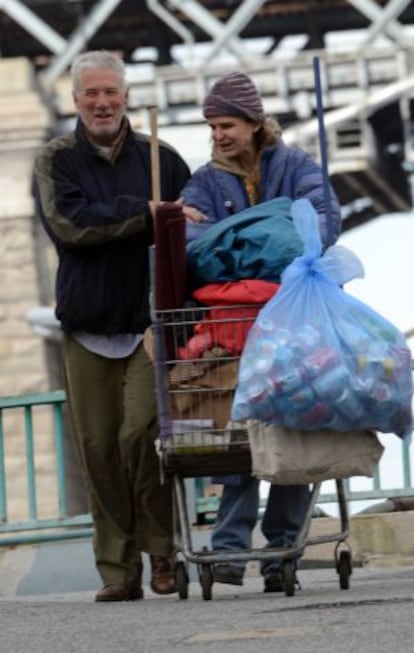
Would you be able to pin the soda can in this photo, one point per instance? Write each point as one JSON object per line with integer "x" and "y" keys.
{"x": 381, "y": 393}
{"x": 363, "y": 385}
{"x": 376, "y": 353}
{"x": 288, "y": 382}
{"x": 303, "y": 398}
{"x": 319, "y": 415}
{"x": 331, "y": 383}
{"x": 283, "y": 404}
{"x": 349, "y": 406}
{"x": 282, "y": 336}
{"x": 263, "y": 365}
{"x": 284, "y": 356}
{"x": 322, "y": 359}
{"x": 256, "y": 393}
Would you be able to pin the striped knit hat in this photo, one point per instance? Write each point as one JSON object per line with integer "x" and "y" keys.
{"x": 234, "y": 94}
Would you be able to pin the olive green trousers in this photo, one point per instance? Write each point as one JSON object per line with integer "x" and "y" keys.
{"x": 113, "y": 410}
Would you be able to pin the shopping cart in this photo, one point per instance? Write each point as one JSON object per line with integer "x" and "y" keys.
{"x": 196, "y": 351}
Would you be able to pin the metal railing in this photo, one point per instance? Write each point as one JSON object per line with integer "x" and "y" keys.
{"x": 61, "y": 526}
{"x": 34, "y": 528}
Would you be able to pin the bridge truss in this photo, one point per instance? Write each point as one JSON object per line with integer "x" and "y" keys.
{"x": 368, "y": 88}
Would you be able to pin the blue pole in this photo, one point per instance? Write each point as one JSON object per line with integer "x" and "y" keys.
{"x": 323, "y": 149}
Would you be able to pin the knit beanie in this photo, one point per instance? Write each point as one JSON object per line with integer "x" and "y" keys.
{"x": 234, "y": 94}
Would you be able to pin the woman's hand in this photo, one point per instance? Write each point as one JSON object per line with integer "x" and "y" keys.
{"x": 192, "y": 214}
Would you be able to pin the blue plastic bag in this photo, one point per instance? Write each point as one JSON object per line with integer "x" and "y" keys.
{"x": 319, "y": 358}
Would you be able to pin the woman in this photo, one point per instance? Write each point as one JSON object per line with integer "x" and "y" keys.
{"x": 250, "y": 164}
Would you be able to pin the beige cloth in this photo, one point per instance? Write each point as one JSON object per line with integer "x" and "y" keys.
{"x": 289, "y": 457}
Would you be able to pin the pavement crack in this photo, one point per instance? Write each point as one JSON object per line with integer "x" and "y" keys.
{"x": 343, "y": 604}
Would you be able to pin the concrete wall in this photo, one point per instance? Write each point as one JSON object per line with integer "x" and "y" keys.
{"x": 24, "y": 121}
{"x": 22, "y": 365}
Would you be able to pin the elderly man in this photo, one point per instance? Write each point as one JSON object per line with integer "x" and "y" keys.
{"x": 93, "y": 194}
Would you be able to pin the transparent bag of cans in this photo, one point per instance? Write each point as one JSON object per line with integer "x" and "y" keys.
{"x": 317, "y": 357}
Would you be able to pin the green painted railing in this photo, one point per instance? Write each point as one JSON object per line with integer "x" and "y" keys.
{"x": 33, "y": 528}
{"x": 64, "y": 526}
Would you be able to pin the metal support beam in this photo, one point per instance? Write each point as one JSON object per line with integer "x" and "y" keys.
{"x": 33, "y": 25}
{"x": 367, "y": 105}
{"x": 374, "y": 12}
{"x": 234, "y": 26}
{"x": 175, "y": 25}
{"x": 88, "y": 27}
{"x": 391, "y": 11}
{"x": 209, "y": 24}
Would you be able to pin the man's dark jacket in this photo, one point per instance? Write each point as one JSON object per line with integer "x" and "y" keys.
{"x": 96, "y": 213}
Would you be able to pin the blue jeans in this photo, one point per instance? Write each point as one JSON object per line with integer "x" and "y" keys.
{"x": 238, "y": 512}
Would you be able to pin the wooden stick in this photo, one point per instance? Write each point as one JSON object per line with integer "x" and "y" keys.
{"x": 155, "y": 155}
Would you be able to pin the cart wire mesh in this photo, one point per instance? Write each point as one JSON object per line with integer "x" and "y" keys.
{"x": 196, "y": 352}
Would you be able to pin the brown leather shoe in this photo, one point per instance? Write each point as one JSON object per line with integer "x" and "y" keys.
{"x": 119, "y": 592}
{"x": 162, "y": 575}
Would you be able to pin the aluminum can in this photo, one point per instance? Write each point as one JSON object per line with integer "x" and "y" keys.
{"x": 288, "y": 382}
{"x": 303, "y": 398}
{"x": 349, "y": 405}
{"x": 331, "y": 383}
{"x": 319, "y": 415}
{"x": 284, "y": 356}
{"x": 320, "y": 361}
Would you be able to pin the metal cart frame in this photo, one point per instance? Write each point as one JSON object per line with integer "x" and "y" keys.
{"x": 189, "y": 385}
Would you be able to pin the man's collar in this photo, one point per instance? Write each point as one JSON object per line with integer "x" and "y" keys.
{"x": 116, "y": 146}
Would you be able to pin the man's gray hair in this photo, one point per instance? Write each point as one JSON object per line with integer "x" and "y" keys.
{"x": 96, "y": 59}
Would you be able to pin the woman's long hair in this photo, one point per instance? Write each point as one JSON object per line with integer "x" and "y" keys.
{"x": 270, "y": 133}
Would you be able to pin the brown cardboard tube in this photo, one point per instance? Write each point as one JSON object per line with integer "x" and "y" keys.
{"x": 155, "y": 155}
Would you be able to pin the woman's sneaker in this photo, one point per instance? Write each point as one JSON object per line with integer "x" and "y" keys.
{"x": 229, "y": 574}
{"x": 274, "y": 581}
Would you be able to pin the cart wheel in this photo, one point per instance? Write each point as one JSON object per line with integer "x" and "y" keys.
{"x": 344, "y": 568}
{"x": 206, "y": 580}
{"x": 289, "y": 577}
{"x": 181, "y": 579}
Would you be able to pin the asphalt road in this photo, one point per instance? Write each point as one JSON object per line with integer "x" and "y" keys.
{"x": 375, "y": 615}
